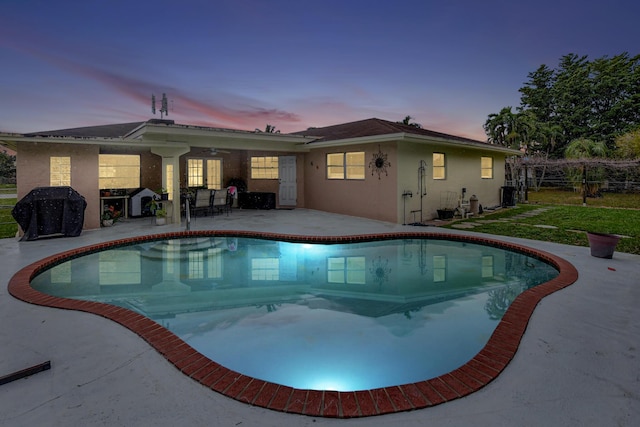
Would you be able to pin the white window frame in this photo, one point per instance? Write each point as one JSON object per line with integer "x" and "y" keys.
{"x": 347, "y": 165}
{"x": 349, "y": 270}
{"x": 486, "y": 172}
{"x": 195, "y": 172}
{"x": 439, "y": 268}
{"x": 214, "y": 174}
{"x": 488, "y": 263}
{"x": 202, "y": 172}
{"x": 168, "y": 171}
{"x": 265, "y": 269}
{"x": 195, "y": 265}
{"x": 265, "y": 167}
{"x": 439, "y": 166}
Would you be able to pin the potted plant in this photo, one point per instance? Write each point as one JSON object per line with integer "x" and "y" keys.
{"x": 110, "y": 216}
{"x": 161, "y": 216}
{"x": 448, "y": 203}
{"x": 602, "y": 245}
{"x": 445, "y": 213}
{"x": 164, "y": 194}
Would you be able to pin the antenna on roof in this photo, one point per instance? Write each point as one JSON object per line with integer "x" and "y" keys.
{"x": 164, "y": 105}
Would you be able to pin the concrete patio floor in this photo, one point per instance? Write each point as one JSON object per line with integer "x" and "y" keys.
{"x": 577, "y": 363}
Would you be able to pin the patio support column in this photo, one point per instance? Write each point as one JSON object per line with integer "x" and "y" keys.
{"x": 171, "y": 156}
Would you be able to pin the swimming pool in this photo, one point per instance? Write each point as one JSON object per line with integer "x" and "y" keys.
{"x": 350, "y": 310}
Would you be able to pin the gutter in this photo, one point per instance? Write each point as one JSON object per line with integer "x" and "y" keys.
{"x": 411, "y": 137}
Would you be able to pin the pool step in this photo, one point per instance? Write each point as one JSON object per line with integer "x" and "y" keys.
{"x": 158, "y": 250}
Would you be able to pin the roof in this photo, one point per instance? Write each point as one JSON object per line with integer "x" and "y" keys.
{"x": 336, "y": 134}
{"x": 373, "y": 127}
{"x": 105, "y": 131}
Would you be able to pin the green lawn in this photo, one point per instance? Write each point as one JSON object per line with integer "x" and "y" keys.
{"x": 8, "y": 226}
{"x": 571, "y": 221}
{"x": 552, "y": 196}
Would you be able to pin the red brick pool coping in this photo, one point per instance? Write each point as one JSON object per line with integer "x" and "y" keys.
{"x": 470, "y": 377}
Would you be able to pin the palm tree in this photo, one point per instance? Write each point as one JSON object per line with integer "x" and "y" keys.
{"x": 583, "y": 148}
{"x": 407, "y": 121}
{"x": 501, "y": 128}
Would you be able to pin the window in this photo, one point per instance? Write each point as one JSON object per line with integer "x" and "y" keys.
{"x": 195, "y": 266}
{"x": 119, "y": 268}
{"x": 214, "y": 263}
{"x": 198, "y": 176}
{"x": 350, "y": 270}
{"x": 335, "y": 166}
{"x": 214, "y": 174}
{"x": 119, "y": 171}
{"x": 264, "y": 167}
{"x": 439, "y": 268}
{"x": 61, "y": 273}
{"x": 171, "y": 259}
{"x": 439, "y": 171}
{"x": 195, "y": 172}
{"x": 265, "y": 269}
{"x": 487, "y": 266}
{"x": 345, "y": 165}
{"x": 486, "y": 167}
{"x": 60, "y": 171}
{"x": 355, "y": 165}
{"x": 169, "y": 183}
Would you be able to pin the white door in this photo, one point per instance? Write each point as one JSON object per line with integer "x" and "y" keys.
{"x": 287, "y": 173}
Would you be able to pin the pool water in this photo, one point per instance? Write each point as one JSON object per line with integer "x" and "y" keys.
{"x": 343, "y": 317}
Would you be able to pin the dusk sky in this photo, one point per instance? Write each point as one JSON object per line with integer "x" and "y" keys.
{"x": 242, "y": 64}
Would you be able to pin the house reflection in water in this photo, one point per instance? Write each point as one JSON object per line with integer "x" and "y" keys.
{"x": 161, "y": 279}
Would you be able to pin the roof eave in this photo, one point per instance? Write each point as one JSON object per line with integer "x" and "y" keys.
{"x": 410, "y": 137}
{"x": 203, "y": 137}
{"x": 84, "y": 140}
{"x": 467, "y": 144}
{"x": 357, "y": 140}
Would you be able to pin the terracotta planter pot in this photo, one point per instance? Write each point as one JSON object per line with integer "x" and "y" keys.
{"x": 602, "y": 245}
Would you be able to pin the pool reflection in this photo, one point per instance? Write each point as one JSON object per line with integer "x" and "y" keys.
{"x": 163, "y": 278}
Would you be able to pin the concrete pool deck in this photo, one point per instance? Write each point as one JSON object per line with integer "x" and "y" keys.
{"x": 576, "y": 365}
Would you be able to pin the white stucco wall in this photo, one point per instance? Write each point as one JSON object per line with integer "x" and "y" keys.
{"x": 372, "y": 197}
{"x": 462, "y": 171}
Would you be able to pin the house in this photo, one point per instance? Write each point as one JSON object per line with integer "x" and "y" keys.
{"x": 370, "y": 168}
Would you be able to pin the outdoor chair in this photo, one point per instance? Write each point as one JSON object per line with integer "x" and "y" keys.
{"x": 202, "y": 202}
{"x": 222, "y": 201}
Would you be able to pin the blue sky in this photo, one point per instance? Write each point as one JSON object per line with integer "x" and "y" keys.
{"x": 242, "y": 64}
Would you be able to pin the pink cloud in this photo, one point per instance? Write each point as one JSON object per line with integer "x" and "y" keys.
{"x": 193, "y": 109}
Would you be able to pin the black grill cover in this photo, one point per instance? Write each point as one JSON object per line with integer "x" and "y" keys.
{"x": 48, "y": 211}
